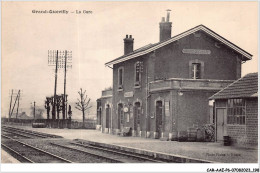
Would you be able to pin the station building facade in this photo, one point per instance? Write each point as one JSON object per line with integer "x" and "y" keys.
{"x": 163, "y": 88}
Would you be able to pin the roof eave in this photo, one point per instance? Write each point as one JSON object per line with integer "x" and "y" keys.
{"x": 245, "y": 54}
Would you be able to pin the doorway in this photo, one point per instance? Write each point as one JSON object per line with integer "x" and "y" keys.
{"x": 120, "y": 113}
{"x": 221, "y": 123}
{"x": 159, "y": 112}
{"x": 108, "y": 111}
{"x": 137, "y": 113}
{"x": 99, "y": 114}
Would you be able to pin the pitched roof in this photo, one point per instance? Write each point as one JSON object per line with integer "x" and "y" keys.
{"x": 244, "y": 87}
{"x": 151, "y": 47}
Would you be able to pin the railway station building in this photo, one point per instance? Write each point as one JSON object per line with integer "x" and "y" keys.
{"x": 163, "y": 88}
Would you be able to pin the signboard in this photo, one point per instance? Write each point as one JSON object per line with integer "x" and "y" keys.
{"x": 129, "y": 94}
{"x": 167, "y": 108}
{"x": 196, "y": 51}
{"x": 131, "y": 112}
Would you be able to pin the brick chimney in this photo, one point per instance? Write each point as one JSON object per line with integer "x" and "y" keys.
{"x": 129, "y": 45}
{"x": 165, "y": 27}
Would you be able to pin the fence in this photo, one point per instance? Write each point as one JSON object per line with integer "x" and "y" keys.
{"x": 89, "y": 123}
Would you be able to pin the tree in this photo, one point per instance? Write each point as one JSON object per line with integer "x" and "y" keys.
{"x": 82, "y": 104}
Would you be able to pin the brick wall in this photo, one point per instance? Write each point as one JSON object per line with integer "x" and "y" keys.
{"x": 175, "y": 63}
{"x": 237, "y": 133}
{"x": 252, "y": 121}
{"x": 193, "y": 109}
{"x": 246, "y": 134}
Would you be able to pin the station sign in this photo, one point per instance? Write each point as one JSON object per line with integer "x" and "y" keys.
{"x": 129, "y": 94}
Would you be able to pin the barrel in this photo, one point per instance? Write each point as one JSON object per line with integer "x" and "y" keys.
{"x": 227, "y": 140}
{"x": 192, "y": 134}
{"x": 182, "y": 136}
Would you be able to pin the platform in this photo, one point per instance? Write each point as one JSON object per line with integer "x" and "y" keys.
{"x": 210, "y": 151}
{"x": 7, "y": 158}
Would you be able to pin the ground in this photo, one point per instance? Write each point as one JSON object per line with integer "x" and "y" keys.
{"x": 210, "y": 151}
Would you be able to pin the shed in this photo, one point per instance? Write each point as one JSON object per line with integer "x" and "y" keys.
{"x": 236, "y": 111}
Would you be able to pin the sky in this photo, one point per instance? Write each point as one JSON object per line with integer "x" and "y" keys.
{"x": 96, "y": 38}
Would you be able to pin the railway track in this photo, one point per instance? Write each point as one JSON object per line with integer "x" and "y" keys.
{"x": 30, "y": 154}
{"x": 27, "y": 133}
{"x": 15, "y": 134}
{"x": 138, "y": 157}
{"x": 109, "y": 154}
{"x": 92, "y": 154}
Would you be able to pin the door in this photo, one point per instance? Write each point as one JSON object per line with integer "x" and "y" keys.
{"x": 221, "y": 123}
{"x": 107, "y": 116}
{"x": 137, "y": 112}
{"x": 120, "y": 114}
{"x": 159, "y": 111}
{"x": 99, "y": 116}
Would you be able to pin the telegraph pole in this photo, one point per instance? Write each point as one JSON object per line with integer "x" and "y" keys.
{"x": 64, "y": 108}
{"x": 10, "y": 106}
{"x": 62, "y": 59}
{"x": 34, "y": 110}
{"x": 18, "y": 105}
{"x": 14, "y": 103}
{"x": 55, "y": 87}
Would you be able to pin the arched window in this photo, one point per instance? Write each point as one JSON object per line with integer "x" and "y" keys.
{"x": 138, "y": 72}
{"x": 120, "y": 77}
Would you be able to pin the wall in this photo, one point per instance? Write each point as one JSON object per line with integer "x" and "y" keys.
{"x": 166, "y": 120}
{"x": 193, "y": 109}
{"x": 89, "y": 124}
{"x": 252, "y": 121}
{"x": 139, "y": 93}
{"x": 221, "y": 63}
{"x": 104, "y": 102}
{"x": 248, "y": 133}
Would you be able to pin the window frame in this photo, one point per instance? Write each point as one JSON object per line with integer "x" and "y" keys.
{"x": 137, "y": 84}
{"x": 236, "y": 111}
{"x": 201, "y": 72}
{"x": 120, "y": 86}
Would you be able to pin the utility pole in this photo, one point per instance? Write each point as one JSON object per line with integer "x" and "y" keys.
{"x": 34, "y": 110}
{"x": 64, "y": 108}
{"x": 15, "y": 103}
{"x": 18, "y": 105}
{"x": 59, "y": 59}
{"x": 55, "y": 87}
{"x": 10, "y": 106}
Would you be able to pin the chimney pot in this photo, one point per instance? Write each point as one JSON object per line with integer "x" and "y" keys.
{"x": 130, "y": 36}
{"x": 163, "y": 19}
{"x": 126, "y": 36}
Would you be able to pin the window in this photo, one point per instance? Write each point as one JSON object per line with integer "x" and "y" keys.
{"x": 195, "y": 71}
{"x": 127, "y": 117}
{"x": 138, "y": 72}
{"x": 120, "y": 78}
{"x": 236, "y": 111}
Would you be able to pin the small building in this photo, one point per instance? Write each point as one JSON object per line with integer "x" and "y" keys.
{"x": 163, "y": 88}
{"x": 236, "y": 111}
{"x": 104, "y": 107}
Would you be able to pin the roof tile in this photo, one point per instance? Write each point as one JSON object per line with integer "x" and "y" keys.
{"x": 246, "y": 86}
